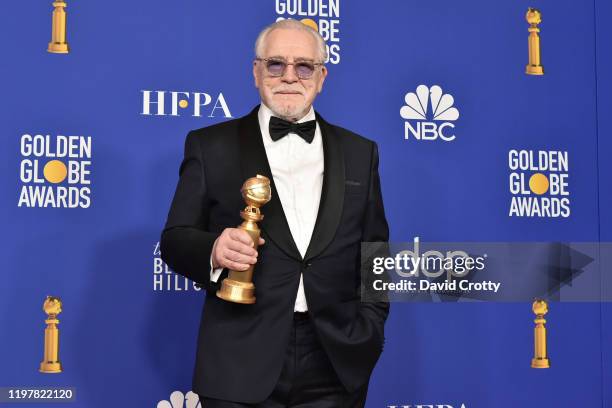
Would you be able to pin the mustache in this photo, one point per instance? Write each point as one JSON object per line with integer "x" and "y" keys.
{"x": 285, "y": 89}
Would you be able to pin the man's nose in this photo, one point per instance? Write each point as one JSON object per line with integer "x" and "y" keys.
{"x": 289, "y": 74}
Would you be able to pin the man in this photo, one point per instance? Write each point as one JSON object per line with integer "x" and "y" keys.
{"x": 308, "y": 341}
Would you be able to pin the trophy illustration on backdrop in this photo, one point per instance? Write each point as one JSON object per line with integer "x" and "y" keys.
{"x": 534, "y": 17}
{"x": 51, "y": 363}
{"x": 58, "y": 44}
{"x": 540, "y": 358}
{"x": 238, "y": 286}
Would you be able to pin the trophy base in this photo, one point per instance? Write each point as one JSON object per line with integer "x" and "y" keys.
{"x": 534, "y": 70}
{"x": 50, "y": 367}
{"x": 58, "y": 48}
{"x": 237, "y": 292}
{"x": 540, "y": 363}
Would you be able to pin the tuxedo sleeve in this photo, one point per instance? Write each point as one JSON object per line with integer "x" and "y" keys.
{"x": 375, "y": 229}
{"x": 185, "y": 244}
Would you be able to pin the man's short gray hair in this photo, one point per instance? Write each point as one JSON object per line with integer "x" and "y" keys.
{"x": 290, "y": 24}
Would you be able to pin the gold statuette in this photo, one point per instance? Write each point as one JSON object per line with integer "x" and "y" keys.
{"x": 51, "y": 363}
{"x": 238, "y": 286}
{"x": 540, "y": 360}
{"x": 534, "y": 17}
{"x": 58, "y": 42}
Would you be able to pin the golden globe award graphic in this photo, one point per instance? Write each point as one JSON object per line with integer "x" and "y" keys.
{"x": 238, "y": 286}
{"x": 310, "y": 23}
{"x": 51, "y": 363}
{"x": 534, "y": 17}
{"x": 58, "y": 44}
{"x": 540, "y": 360}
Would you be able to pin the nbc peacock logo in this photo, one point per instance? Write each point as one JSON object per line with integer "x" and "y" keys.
{"x": 424, "y": 123}
{"x": 179, "y": 400}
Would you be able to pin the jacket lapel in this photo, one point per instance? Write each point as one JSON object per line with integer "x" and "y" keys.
{"x": 332, "y": 192}
{"x": 253, "y": 161}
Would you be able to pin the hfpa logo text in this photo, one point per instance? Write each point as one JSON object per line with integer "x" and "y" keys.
{"x": 170, "y": 103}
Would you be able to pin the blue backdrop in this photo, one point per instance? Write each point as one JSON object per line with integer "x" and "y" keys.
{"x": 128, "y": 334}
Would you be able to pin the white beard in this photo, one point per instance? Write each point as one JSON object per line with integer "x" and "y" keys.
{"x": 292, "y": 113}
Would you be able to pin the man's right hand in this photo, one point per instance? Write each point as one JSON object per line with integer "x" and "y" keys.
{"x": 233, "y": 249}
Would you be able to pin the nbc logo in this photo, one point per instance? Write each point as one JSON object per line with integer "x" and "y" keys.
{"x": 180, "y": 400}
{"x": 424, "y": 124}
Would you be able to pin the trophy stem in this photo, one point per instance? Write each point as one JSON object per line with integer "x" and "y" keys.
{"x": 238, "y": 286}
{"x": 58, "y": 42}
{"x": 51, "y": 363}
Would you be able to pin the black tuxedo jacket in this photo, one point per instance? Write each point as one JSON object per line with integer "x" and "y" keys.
{"x": 241, "y": 348}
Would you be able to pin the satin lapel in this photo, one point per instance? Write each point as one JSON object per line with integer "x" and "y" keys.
{"x": 253, "y": 161}
{"x": 332, "y": 191}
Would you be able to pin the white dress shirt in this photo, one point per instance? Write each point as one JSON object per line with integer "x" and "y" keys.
{"x": 297, "y": 169}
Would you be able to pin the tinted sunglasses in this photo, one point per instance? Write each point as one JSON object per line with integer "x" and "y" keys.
{"x": 276, "y": 67}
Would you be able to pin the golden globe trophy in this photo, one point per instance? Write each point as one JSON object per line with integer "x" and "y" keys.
{"x": 51, "y": 363}
{"x": 58, "y": 44}
{"x": 534, "y": 17}
{"x": 540, "y": 360}
{"x": 238, "y": 286}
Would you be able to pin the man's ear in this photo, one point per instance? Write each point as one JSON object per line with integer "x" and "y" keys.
{"x": 323, "y": 76}
{"x": 255, "y": 77}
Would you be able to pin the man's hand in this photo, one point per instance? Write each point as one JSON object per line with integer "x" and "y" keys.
{"x": 234, "y": 250}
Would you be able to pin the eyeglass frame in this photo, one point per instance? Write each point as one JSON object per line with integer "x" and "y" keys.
{"x": 280, "y": 59}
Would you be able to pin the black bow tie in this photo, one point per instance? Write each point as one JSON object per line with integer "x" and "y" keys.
{"x": 279, "y": 127}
